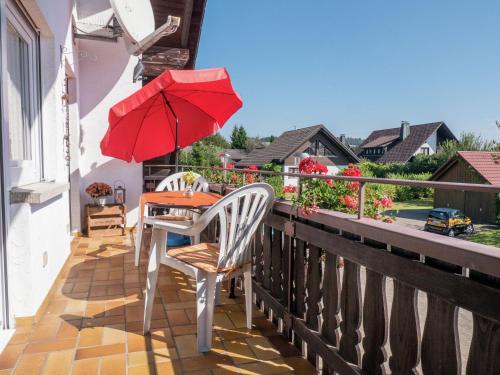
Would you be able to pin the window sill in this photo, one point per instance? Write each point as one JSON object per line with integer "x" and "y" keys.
{"x": 37, "y": 193}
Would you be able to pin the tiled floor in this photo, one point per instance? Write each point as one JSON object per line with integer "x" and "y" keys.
{"x": 93, "y": 325}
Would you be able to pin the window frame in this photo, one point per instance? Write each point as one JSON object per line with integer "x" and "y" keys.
{"x": 23, "y": 172}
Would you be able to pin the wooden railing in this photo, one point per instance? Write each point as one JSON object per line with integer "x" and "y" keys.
{"x": 333, "y": 314}
{"x": 358, "y": 296}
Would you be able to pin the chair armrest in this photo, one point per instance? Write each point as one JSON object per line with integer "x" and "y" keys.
{"x": 169, "y": 226}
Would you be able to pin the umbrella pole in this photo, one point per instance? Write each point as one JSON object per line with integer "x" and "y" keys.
{"x": 176, "y": 131}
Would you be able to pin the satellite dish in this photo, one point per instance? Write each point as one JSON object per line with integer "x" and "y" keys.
{"x": 136, "y": 19}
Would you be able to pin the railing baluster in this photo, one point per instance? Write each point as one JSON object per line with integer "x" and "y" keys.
{"x": 440, "y": 345}
{"x": 313, "y": 293}
{"x": 276, "y": 271}
{"x": 351, "y": 313}
{"x": 258, "y": 254}
{"x": 331, "y": 300}
{"x": 313, "y": 287}
{"x": 299, "y": 279}
{"x": 484, "y": 354}
{"x": 266, "y": 282}
{"x": 374, "y": 323}
{"x": 404, "y": 330}
{"x": 287, "y": 261}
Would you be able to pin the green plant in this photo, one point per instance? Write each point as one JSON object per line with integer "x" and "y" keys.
{"x": 405, "y": 193}
{"x": 239, "y": 137}
{"x": 276, "y": 182}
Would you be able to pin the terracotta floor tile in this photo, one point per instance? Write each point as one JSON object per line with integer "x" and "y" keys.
{"x": 95, "y": 309}
{"x": 114, "y": 334}
{"x": 300, "y": 365}
{"x": 177, "y": 318}
{"x": 113, "y": 365}
{"x": 239, "y": 351}
{"x": 45, "y": 331}
{"x": 222, "y": 321}
{"x": 90, "y": 336}
{"x": 186, "y": 346}
{"x": 276, "y": 366}
{"x": 262, "y": 348}
{"x": 238, "y": 318}
{"x": 20, "y": 338}
{"x": 30, "y": 364}
{"x": 69, "y": 329}
{"x": 184, "y": 330}
{"x": 75, "y": 306}
{"x": 56, "y": 307}
{"x": 99, "y": 351}
{"x": 205, "y": 362}
{"x": 59, "y": 363}
{"x": 86, "y": 367}
{"x": 157, "y": 356}
{"x": 51, "y": 345}
{"x": 285, "y": 348}
{"x": 134, "y": 313}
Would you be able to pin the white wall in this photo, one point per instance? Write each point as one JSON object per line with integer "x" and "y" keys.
{"x": 105, "y": 78}
{"x": 431, "y": 142}
{"x": 38, "y": 238}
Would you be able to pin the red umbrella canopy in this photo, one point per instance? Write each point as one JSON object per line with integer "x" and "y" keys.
{"x": 143, "y": 126}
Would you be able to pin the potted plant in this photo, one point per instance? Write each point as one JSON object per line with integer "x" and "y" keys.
{"x": 189, "y": 178}
{"x": 98, "y": 191}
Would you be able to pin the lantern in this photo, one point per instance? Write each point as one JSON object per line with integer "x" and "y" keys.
{"x": 119, "y": 193}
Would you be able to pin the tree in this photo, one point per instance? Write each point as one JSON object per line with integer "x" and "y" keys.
{"x": 216, "y": 140}
{"x": 239, "y": 137}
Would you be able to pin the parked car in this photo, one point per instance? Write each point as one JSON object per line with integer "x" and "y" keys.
{"x": 449, "y": 221}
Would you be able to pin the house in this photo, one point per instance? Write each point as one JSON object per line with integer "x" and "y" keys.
{"x": 59, "y": 77}
{"x": 234, "y": 155}
{"x": 476, "y": 167}
{"x": 317, "y": 141}
{"x": 400, "y": 145}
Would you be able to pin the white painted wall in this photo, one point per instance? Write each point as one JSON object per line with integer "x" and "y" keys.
{"x": 105, "y": 78}
{"x": 332, "y": 170}
{"x": 43, "y": 231}
{"x": 101, "y": 76}
{"x": 431, "y": 142}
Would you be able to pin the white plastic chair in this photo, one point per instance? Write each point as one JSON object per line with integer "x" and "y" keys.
{"x": 239, "y": 214}
{"x": 173, "y": 182}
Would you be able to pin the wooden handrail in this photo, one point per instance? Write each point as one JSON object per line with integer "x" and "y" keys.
{"x": 480, "y": 188}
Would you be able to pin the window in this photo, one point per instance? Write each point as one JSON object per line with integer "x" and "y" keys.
{"x": 22, "y": 98}
{"x": 424, "y": 150}
{"x": 322, "y": 150}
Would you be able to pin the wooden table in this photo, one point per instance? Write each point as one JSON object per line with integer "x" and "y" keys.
{"x": 171, "y": 199}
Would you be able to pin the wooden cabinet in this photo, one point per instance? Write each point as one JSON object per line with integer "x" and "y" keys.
{"x": 105, "y": 221}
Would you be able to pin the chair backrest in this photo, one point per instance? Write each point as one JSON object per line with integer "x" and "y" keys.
{"x": 240, "y": 213}
{"x": 174, "y": 182}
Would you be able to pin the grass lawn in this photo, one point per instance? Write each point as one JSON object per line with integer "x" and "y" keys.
{"x": 488, "y": 237}
{"x": 416, "y": 204}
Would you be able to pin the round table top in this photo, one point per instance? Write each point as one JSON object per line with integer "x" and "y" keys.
{"x": 177, "y": 199}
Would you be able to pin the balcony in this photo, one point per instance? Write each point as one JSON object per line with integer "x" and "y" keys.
{"x": 334, "y": 293}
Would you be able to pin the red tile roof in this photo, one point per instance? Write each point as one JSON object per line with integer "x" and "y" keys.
{"x": 486, "y": 163}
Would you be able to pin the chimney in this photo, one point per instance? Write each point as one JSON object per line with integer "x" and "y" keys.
{"x": 405, "y": 130}
{"x": 343, "y": 139}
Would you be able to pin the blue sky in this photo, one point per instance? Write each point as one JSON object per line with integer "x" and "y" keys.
{"x": 356, "y": 66}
